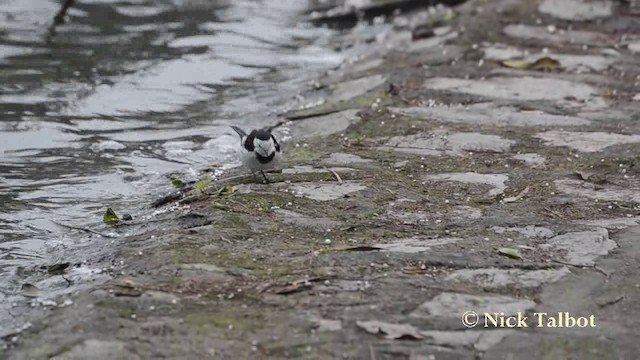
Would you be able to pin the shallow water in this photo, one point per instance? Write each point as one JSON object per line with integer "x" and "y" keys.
{"x": 125, "y": 92}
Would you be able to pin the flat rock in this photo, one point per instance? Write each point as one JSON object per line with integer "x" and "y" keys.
{"x": 452, "y": 305}
{"x": 340, "y": 158}
{"x": 492, "y": 278}
{"x": 315, "y": 223}
{"x": 354, "y": 88}
{"x": 576, "y": 10}
{"x": 324, "y": 325}
{"x": 531, "y": 159}
{"x": 634, "y": 47}
{"x": 440, "y": 143}
{"x": 584, "y": 247}
{"x": 306, "y": 169}
{"x": 99, "y": 350}
{"x": 415, "y": 244}
{"x": 607, "y": 192}
{"x": 569, "y": 62}
{"x": 560, "y": 37}
{"x": 324, "y": 125}
{"x": 586, "y": 141}
{"x": 615, "y": 223}
{"x": 530, "y": 231}
{"x": 524, "y": 88}
{"x": 496, "y": 181}
{"x": 326, "y": 191}
{"x": 488, "y": 114}
{"x": 481, "y": 340}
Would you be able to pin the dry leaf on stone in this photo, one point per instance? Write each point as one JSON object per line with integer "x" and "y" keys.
{"x": 517, "y": 197}
{"x": 359, "y": 248}
{"x": 57, "y": 269}
{"x": 391, "y": 331}
{"x": 298, "y": 286}
{"x": 512, "y": 253}
{"x": 590, "y": 177}
{"x": 543, "y": 64}
{"x": 30, "y": 290}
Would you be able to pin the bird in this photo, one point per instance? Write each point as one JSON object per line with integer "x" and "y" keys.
{"x": 262, "y": 150}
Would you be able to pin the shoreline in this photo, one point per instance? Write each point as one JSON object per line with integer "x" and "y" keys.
{"x": 441, "y": 175}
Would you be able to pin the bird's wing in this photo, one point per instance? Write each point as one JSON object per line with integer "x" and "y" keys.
{"x": 275, "y": 142}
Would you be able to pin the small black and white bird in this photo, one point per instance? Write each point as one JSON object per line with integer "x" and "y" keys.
{"x": 262, "y": 151}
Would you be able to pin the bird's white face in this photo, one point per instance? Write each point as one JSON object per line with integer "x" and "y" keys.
{"x": 264, "y": 147}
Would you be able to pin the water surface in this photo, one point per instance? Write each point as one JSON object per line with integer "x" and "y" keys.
{"x": 98, "y": 113}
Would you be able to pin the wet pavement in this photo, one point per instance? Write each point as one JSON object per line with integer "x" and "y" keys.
{"x": 432, "y": 176}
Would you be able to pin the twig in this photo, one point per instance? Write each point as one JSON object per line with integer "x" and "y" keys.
{"x": 82, "y": 229}
{"x": 594, "y": 267}
{"x": 335, "y": 174}
{"x": 612, "y": 301}
{"x": 372, "y": 353}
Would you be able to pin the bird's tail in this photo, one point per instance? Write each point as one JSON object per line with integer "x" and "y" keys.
{"x": 239, "y": 131}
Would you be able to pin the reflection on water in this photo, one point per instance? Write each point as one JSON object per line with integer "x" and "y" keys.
{"x": 125, "y": 92}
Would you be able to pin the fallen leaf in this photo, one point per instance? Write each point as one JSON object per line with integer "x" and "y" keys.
{"x": 516, "y": 64}
{"x": 391, "y": 331}
{"x": 512, "y": 253}
{"x": 359, "y": 248}
{"x": 57, "y": 269}
{"x": 218, "y": 206}
{"x": 110, "y": 217}
{"x": 30, "y": 290}
{"x": 543, "y": 64}
{"x": 227, "y": 190}
{"x": 517, "y": 197}
{"x": 176, "y": 182}
{"x": 590, "y": 177}
{"x": 202, "y": 184}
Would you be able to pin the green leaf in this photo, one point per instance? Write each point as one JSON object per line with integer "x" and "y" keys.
{"x": 110, "y": 217}
{"x": 512, "y": 253}
{"x": 57, "y": 269}
{"x": 202, "y": 184}
{"x": 218, "y": 206}
{"x": 227, "y": 190}
{"x": 544, "y": 64}
{"x": 176, "y": 182}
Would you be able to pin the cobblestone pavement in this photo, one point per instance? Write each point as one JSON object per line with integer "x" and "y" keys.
{"x": 484, "y": 164}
